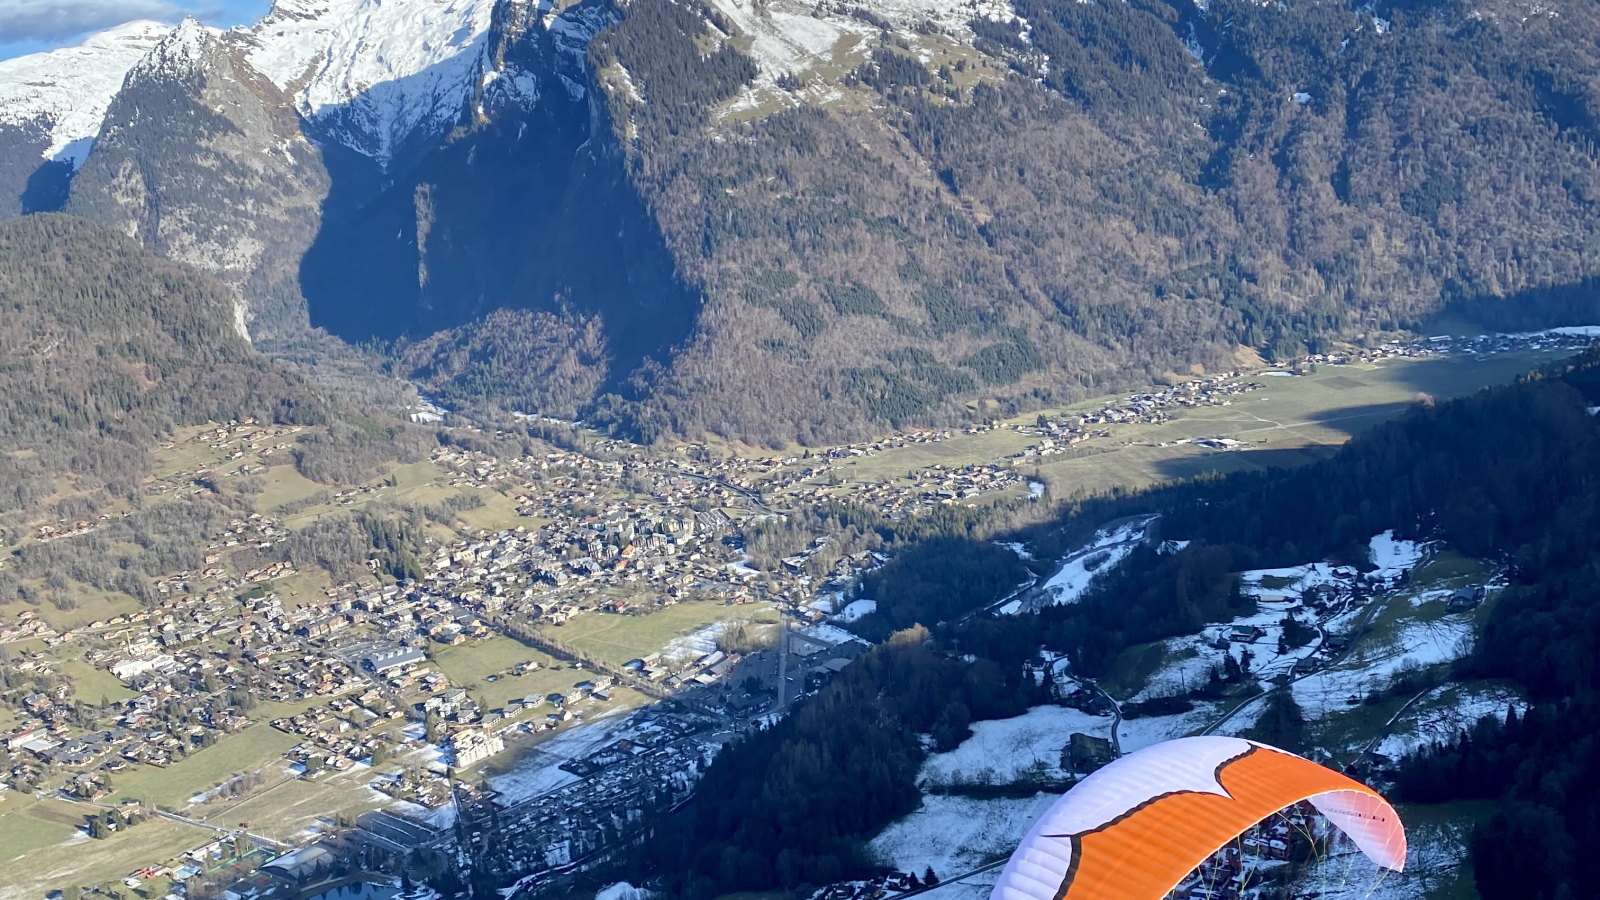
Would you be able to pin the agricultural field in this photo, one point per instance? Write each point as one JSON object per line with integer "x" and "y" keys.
{"x": 959, "y": 450}
{"x": 43, "y": 849}
{"x": 1294, "y": 420}
{"x": 619, "y": 638}
{"x": 257, "y": 746}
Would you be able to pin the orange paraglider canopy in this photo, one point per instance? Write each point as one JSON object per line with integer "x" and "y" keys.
{"x": 1132, "y": 830}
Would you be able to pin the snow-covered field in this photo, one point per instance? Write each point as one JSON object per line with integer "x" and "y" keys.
{"x": 1389, "y": 554}
{"x": 539, "y": 771}
{"x": 1434, "y": 851}
{"x": 1290, "y": 582}
{"x": 1444, "y": 715}
{"x": 1373, "y": 663}
{"x": 828, "y": 634}
{"x": 622, "y": 891}
{"x": 1137, "y": 734}
{"x": 1393, "y": 556}
{"x": 957, "y": 834}
{"x": 856, "y": 610}
{"x": 1192, "y": 657}
{"x": 1001, "y": 751}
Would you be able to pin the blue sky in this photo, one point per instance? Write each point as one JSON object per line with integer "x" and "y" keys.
{"x": 28, "y": 26}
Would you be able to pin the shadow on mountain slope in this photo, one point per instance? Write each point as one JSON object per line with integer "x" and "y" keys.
{"x": 517, "y": 213}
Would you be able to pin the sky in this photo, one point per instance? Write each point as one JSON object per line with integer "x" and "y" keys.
{"x": 29, "y": 26}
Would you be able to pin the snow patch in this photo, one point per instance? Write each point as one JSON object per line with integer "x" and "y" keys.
{"x": 1442, "y": 717}
{"x": 1002, "y": 751}
{"x": 856, "y": 610}
{"x": 1109, "y": 547}
{"x": 622, "y": 891}
{"x": 953, "y": 834}
{"x": 1016, "y": 547}
{"x": 793, "y": 38}
{"x": 1393, "y": 557}
{"x": 696, "y": 644}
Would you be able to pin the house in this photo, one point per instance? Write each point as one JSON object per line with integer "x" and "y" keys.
{"x": 1085, "y": 753}
{"x": 1465, "y": 599}
{"x": 1245, "y": 633}
{"x": 390, "y": 660}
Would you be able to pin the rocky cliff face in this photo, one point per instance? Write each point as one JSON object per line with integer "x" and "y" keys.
{"x": 201, "y": 159}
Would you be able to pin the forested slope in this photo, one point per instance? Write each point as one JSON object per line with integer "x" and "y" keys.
{"x": 103, "y": 348}
{"x": 1096, "y": 204}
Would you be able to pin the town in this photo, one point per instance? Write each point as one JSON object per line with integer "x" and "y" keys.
{"x": 436, "y": 687}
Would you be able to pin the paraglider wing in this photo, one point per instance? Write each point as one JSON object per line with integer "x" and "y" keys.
{"x": 1132, "y": 830}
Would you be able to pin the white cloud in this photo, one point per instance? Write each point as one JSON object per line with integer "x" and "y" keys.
{"x": 52, "y": 20}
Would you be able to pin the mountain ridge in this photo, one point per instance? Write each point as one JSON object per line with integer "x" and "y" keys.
{"x": 795, "y": 221}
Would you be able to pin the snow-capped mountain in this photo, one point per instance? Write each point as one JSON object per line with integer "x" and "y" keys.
{"x": 202, "y": 160}
{"x": 183, "y": 52}
{"x": 373, "y": 75}
{"x": 62, "y": 95}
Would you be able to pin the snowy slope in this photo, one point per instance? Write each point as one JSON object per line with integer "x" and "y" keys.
{"x": 373, "y": 73}
{"x": 1109, "y": 547}
{"x": 66, "y": 91}
{"x": 1001, "y": 751}
{"x": 178, "y": 54}
{"x": 952, "y": 834}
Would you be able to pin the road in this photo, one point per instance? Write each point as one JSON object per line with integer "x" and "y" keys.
{"x": 1116, "y": 718}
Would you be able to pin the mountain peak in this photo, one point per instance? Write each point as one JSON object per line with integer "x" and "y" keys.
{"x": 372, "y": 75}
{"x": 180, "y": 53}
